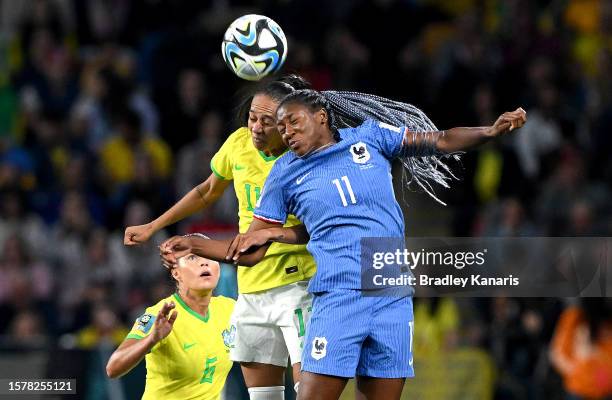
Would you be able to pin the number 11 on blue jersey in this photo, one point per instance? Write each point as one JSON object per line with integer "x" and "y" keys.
{"x": 341, "y": 191}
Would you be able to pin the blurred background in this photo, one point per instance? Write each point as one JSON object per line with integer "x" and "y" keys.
{"x": 110, "y": 110}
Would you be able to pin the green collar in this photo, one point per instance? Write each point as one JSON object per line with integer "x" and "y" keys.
{"x": 190, "y": 311}
{"x": 269, "y": 158}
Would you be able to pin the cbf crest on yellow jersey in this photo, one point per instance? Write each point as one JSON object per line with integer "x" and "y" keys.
{"x": 192, "y": 362}
{"x": 238, "y": 159}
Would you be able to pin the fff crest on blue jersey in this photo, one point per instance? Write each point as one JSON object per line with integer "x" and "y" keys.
{"x": 145, "y": 322}
{"x": 229, "y": 336}
{"x": 360, "y": 153}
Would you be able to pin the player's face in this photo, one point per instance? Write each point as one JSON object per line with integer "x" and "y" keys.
{"x": 302, "y": 130}
{"x": 262, "y": 123}
{"x": 196, "y": 273}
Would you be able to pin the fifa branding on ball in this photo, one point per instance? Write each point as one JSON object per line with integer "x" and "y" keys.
{"x": 254, "y": 46}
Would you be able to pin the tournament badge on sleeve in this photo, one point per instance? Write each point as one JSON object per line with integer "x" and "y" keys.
{"x": 145, "y": 322}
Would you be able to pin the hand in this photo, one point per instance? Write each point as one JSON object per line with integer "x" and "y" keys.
{"x": 247, "y": 242}
{"x": 163, "y": 324}
{"x": 507, "y": 122}
{"x": 173, "y": 249}
{"x": 138, "y": 234}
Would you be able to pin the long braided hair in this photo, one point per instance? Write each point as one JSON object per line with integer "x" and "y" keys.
{"x": 423, "y": 163}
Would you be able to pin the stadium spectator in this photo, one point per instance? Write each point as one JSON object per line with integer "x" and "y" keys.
{"x": 105, "y": 329}
{"x": 119, "y": 153}
{"x": 581, "y": 349}
{"x": 181, "y": 114}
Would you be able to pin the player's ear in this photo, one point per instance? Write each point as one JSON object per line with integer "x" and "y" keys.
{"x": 176, "y": 275}
{"x": 322, "y": 116}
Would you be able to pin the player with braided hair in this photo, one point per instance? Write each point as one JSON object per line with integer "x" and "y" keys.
{"x": 337, "y": 181}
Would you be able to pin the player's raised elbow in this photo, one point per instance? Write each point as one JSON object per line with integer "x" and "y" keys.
{"x": 111, "y": 372}
{"x": 113, "y": 369}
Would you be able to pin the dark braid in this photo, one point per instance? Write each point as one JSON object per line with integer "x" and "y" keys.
{"x": 422, "y": 161}
{"x": 275, "y": 88}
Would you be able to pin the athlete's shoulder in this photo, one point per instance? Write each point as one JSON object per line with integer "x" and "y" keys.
{"x": 365, "y": 127}
{"x": 238, "y": 137}
{"x": 286, "y": 158}
{"x": 241, "y": 135}
{"x": 372, "y": 131}
{"x": 154, "y": 309}
{"x": 143, "y": 324}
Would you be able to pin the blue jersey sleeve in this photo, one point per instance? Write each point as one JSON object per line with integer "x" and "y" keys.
{"x": 387, "y": 137}
{"x": 272, "y": 205}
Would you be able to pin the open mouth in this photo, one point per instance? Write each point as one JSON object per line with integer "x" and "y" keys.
{"x": 205, "y": 273}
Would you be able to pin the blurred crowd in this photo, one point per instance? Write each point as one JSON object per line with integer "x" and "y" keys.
{"x": 110, "y": 110}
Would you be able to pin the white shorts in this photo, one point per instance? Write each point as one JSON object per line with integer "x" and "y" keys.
{"x": 271, "y": 325}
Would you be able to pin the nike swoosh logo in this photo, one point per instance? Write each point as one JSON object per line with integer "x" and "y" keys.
{"x": 188, "y": 346}
{"x": 301, "y": 178}
{"x": 238, "y": 167}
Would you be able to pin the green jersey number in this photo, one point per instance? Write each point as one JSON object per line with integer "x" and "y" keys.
{"x": 209, "y": 370}
{"x": 257, "y": 190}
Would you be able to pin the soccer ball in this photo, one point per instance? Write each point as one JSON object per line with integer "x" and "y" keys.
{"x": 254, "y": 46}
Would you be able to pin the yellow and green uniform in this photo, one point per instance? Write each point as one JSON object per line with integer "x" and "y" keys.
{"x": 238, "y": 159}
{"x": 192, "y": 362}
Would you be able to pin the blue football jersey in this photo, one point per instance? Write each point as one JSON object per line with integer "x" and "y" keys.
{"x": 341, "y": 194}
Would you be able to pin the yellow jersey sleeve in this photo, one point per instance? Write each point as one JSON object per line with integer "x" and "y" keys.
{"x": 143, "y": 325}
{"x": 222, "y": 163}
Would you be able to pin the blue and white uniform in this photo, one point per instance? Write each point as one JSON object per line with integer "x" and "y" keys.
{"x": 342, "y": 194}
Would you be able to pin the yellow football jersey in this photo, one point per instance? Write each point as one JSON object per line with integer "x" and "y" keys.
{"x": 192, "y": 362}
{"x": 238, "y": 159}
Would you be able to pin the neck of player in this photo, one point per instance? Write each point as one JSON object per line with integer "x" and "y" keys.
{"x": 197, "y": 300}
{"x": 326, "y": 142}
{"x": 275, "y": 152}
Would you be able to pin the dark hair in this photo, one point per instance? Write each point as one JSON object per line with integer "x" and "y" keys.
{"x": 422, "y": 161}
{"x": 275, "y": 88}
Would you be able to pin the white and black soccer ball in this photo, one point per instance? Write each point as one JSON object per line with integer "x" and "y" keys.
{"x": 254, "y": 46}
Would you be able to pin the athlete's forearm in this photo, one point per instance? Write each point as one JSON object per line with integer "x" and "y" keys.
{"x": 191, "y": 203}
{"x": 199, "y": 198}
{"x": 218, "y": 250}
{"x": 458, "y": 139}
{"x": 128, "y": 355}
{"x": 291, "y": 235}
